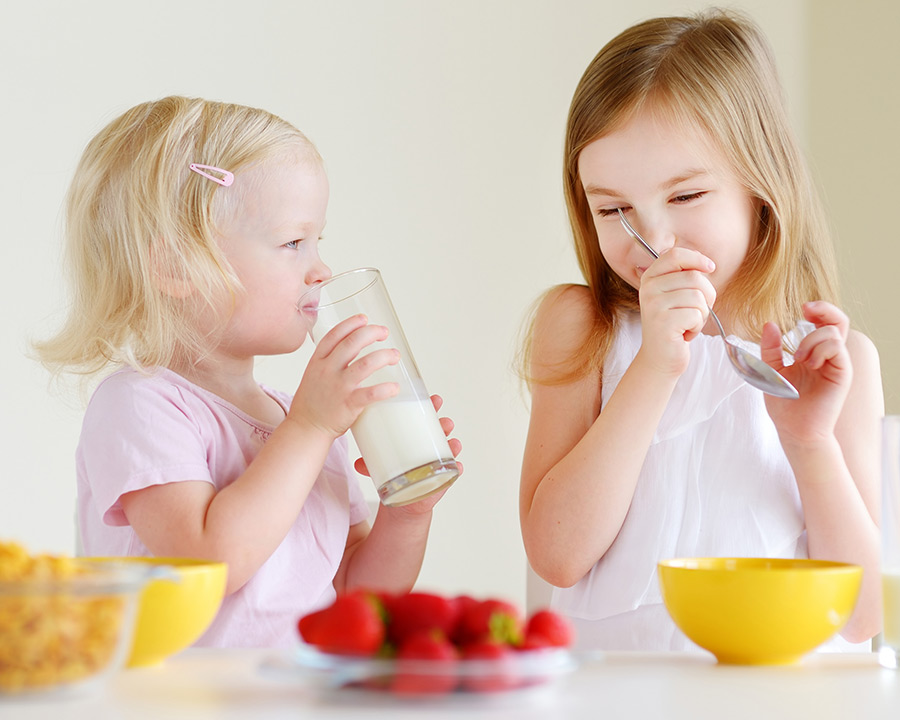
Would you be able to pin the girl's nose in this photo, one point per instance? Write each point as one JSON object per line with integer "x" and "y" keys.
{"x": 662, "y": 241}
{"x": 657, "y": 234}
{"x": 320, "y": 272}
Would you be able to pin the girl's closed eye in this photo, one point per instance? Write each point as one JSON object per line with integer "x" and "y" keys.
{"x": 610, "y": 212}
{"x": 688, "y": 197}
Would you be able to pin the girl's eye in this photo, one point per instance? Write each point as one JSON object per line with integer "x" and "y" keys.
{"x": 687, "y": 198}
{"x": 292, "y": 244}
{"x": 610, "y": 212}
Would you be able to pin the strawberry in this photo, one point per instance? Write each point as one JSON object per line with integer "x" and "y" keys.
{"x": 494, "y": 668}
{"x": 551, "y": 627}
{"x": 426, "y": 664}
{"x": 351, "y": 625}
{"x": 418, "y": 612}
{"x": 534, "y": 642}
{"x": 490, "y": 619}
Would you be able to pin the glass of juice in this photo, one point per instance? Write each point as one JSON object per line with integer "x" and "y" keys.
{"x": 400, "y": 439}
{"x": 889, "y": 652}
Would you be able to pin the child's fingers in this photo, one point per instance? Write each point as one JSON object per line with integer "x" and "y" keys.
{"x": 352, "y": 345}
{"x": 447, "y": 425}
{"x": 338, "y": 333}
{"x": 822, "y": 345}
{"x": 365, "y": 365}
{"x": 364, "y": 396}
{"x": 680, "y": 274}
{"x": 437, "y": 401}
{"x": 360, "y": 466}
{"x": 821, "y": 313}
{"x": 770, "y": 346}
{"x": 678, "y": 259}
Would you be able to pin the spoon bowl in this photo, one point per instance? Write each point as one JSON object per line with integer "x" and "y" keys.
{"x": 751, "y": 368}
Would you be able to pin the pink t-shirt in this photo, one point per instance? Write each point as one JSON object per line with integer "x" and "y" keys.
{"x": 143, "y": 430}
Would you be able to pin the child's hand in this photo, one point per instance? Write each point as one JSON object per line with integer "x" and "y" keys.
{"x": 330, "y": 396}
{"x": 821, "y": 372}
{"x": 675, "y": 296}
{"x": 455, "y": 447}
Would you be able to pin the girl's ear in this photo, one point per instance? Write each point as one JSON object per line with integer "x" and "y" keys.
{"x": 166, "y": 277}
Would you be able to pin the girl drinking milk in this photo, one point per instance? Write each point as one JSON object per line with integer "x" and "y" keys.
{"x": 193, "y": 230}
{"x": 644, "y": 444}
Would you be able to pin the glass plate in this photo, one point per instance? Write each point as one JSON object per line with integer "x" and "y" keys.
{"x": 519, "y": 670}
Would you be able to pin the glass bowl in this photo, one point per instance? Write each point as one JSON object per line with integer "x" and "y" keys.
{"x": 67, "y": 625}
{"x": 520, "y": 670}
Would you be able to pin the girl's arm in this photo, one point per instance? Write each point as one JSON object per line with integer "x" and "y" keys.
{"x": 581, "y": 465}
{"x": 832, "y": 438}
{"x": 389, "y": 556}
{"x": 243, "y": 523}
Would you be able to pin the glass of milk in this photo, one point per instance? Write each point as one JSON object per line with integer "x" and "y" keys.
{"x": 400, "y": 439}
{"x": 889, "y": 652}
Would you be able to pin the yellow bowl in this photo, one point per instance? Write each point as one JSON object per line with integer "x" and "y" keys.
{"x": 174, "y": 613}
{"x": 759, "y": 611}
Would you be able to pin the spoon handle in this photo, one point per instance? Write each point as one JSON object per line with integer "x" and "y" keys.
{"x": 634, "y": 233}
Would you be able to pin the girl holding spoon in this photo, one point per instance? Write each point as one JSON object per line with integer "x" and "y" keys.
{"x": 644, "y": 442}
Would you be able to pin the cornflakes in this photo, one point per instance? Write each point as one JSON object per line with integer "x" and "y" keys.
{"x": 53, "y": 629}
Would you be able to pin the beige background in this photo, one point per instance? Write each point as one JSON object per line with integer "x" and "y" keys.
{"x": 441, "y": 125}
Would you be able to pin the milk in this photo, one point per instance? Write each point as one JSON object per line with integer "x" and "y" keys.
{"x": 396, "y": 437}
{"x": 890, "y": 588}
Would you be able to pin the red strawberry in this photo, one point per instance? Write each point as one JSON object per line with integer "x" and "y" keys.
{"x": 492, "y": 668}
{"x": 553, "y": 628}
{"x": 490, "y": 619}
{"x": 534, "y": 642}
{"x": 426, "y": 664}
{"x": 352, "y": 625}
{"x": 418, "y": 612}
{"x": 464, "y": 604}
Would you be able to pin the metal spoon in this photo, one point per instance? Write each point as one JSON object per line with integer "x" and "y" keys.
{"x": 753, "y": 370}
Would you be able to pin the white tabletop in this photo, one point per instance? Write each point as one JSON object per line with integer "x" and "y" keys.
{"x": 199, "y": 684}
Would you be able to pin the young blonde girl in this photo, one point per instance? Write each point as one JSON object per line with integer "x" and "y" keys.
{"x": 643, "y": 443}
{"x": 192, "y": 231}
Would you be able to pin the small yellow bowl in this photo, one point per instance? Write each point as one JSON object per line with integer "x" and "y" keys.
{"x": 759, "y": 611}
{"x": 174, "y": 613}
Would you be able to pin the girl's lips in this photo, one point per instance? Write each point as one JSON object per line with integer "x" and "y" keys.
{"x": 308, "y": 304}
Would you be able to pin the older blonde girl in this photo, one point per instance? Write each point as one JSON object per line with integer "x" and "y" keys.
{"x": 643, "y": 442}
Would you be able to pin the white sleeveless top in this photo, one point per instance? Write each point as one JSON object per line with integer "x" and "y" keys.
{"x": 715, "y": 482}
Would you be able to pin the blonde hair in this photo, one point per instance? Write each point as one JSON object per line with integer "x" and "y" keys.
{"x": 137, "y": 219}
{"x": 714, "y": 72}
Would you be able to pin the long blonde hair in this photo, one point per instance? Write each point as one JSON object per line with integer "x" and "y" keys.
{"x": 714, "y": 72}
{"x": 138, "y": 219}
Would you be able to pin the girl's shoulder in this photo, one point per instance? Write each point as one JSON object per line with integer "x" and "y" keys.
{"x": 866, "y": 362}
{"x": 129, "y": 380}
{"x": 858, "y": 343}
{"x": 568, "y": 308}
{"x": 145, "y": 389}
{"x": 564, "y": 325}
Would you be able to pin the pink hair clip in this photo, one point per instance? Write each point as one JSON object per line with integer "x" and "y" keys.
{"x": 226, "y": 179}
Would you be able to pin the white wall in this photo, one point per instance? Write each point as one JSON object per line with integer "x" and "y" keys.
{"x": 855, "y": 141}
{"x": 441, "y": 125}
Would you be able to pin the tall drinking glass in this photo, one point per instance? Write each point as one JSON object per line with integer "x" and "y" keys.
{"x": 400, "y": 439}
{"x": 889, "y": 653}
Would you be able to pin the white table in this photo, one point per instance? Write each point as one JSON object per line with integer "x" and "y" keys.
{"x": 200, "y": 684}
